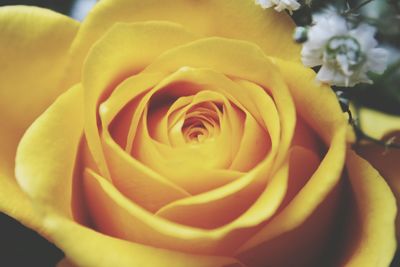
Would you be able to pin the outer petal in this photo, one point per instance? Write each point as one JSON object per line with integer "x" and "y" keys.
{"x": 46, "y": 154}
{"x": 237, "y": 19}
{"x": 376, "y": 124}
{"x": 33, "y": 53}
{"x": 128, "y": 48}
{"x": 98, "y": 250}
{"x": 316, "y": 103}
{"x": 374, "y": 244}
{"x": 385, "y": 160}
{"x": 322, "y": 182}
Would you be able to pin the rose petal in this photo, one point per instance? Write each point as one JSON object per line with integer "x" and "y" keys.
{"x": 221, "y": 55}
{"x": 376, "y": 124}
{"x": 306, "y": 242}
{"x": 252, "y": 67}
{"x": 237, "y": 19}
{"x": 129, "y": 48}
{"x": 112, "y": 214}
{"x": 375, "y": 243}
{"x": 179, "y": 162}
{"x": 325, "y": 178}
{"x": 135, "y": 180}
{"x": 46, "y": 155}
{"x": 255, "y": 143}
{"x": 385, "y": 160}
{"x": 316, "y": 103}
{"x": 34, "y": 41}
{"x": 141, "y": 184}
{"x": 231, "y": 217}
{"x": 248, "y": 186}
{"x": 98, "y": 250}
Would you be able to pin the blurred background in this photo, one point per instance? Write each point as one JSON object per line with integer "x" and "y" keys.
{"x": 20, "y": 247}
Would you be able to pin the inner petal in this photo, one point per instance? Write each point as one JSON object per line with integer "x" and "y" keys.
{"x": 201, "y": 123}
{"x": 179, "y": 162}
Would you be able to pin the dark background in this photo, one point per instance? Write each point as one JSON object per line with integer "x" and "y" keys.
{"x": 20, "y": 247}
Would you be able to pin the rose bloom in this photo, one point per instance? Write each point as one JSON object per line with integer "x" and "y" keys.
{"x": 182, "y": 133}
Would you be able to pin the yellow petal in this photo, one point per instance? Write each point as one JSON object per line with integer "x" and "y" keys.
{"x": 114, "y": 215}
{"x": 184, "y": 160}
{"x": 322, "y": 182}
{"x": 387, "y": 162}
{"x": 256, "y": 142}
{"x": 306, "y": 241}
{"x": 46, "y": 155}
{"x": 376, "y": 124}
{"x": 221, "y": 55}
{"x": 123, "y": 51}
{"x": 382, "y": 126}
{"x": 237, "y": 19}
{"x": 99, "y": 250}
{"x": 316, "y": 103}
{"x": 33, "y": 55}
{"x": 141, "y": 184}
{"x": 375, "y": 242}
{"x": 135, "y": 180}
{"x": 234, "y": 215}
{"x": 15, "y": 203}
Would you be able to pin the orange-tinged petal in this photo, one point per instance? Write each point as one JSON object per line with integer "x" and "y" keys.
{"x": 99, "y": 250}
{"x": 125, "y": 92}
{"x": 306, "y": 242}
{"x": 237, "y": 19}
{"x": 254, "y": 67}
{"x": 385, "y": 127}
{"x": 34, "y": 42}
{"x": 234, "y": 217}
{"x": 135, "y": 180}
{"x": 375, "y": 243}
{"x": 387, "y": 162}
{"x": 141, "y": 184}
{"x": 199, "y": 77}
{"x": 46, "y": 154}
{"x": 222, "y": 55}
{"x": 316, "y": 103}
{"x": 114, "y": 214}
{"x": 184, "y": 160}
{"x": 255, "y": 141}
{"x": 322, "y": 182}
{"x": 128, "y": 48}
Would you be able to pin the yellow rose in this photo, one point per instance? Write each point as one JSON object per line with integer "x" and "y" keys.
{"x": 184, "y": 134}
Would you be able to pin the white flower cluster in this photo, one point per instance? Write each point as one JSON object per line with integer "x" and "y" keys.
{"x": 346, "y": 53}
{"x": 279, "y": 5}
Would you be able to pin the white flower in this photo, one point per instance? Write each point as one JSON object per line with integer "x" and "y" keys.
{"x": 280, "y": 5}
{"x": 346, "y": 54}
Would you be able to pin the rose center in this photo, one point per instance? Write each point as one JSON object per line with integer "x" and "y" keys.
{"x": 201, "y": 123}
